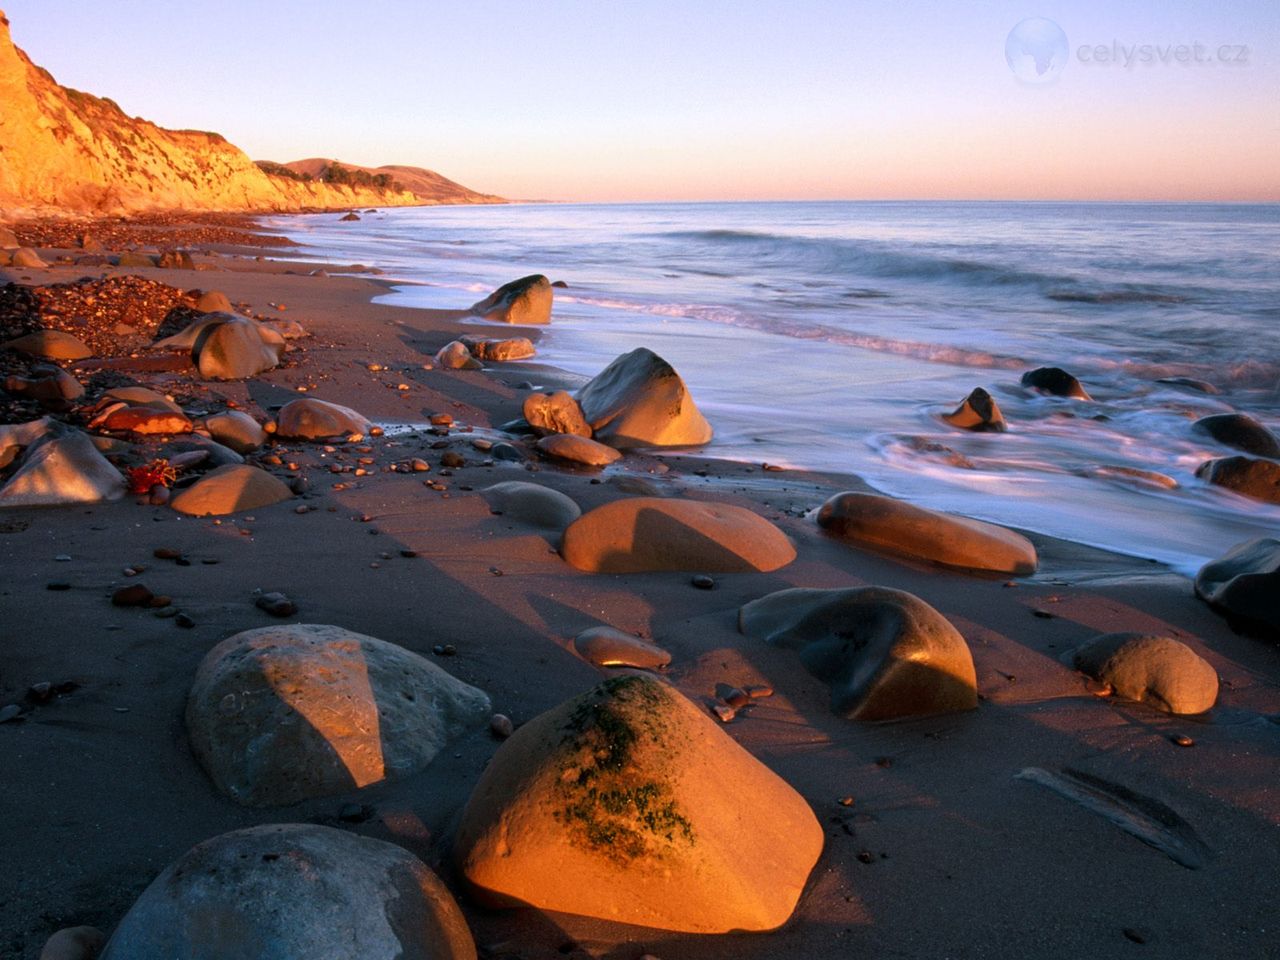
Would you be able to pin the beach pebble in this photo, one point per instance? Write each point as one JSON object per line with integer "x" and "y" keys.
{"x": 134, "y": 595}
{"x": 639, "y": 400}
{"x": 294, "y": 892}
{"x": 505, "y": 451}
{"x": 642, "y": 534}
{"x": 276, "y": 604}
{"x": 453, "y": 460}
{"x": 978, "y": 412}
{"x": 1244, "y": 586}
{"x": 606, "y": 646}
{"x": 703, "y": 582}
{"x": 9, "y": 712}
{"x": 553, "y": 413}
{"x": 523, "y": 301}
{"x": 1056, "y": 382}
{"x": 1159, "y": 671}
{"x": 74, "y": 943}
{"x": 724, "y": 712}
{"x": 184, "y": 620}
{"x": 57, "y": 585}
{"x": 500, "y": 726}
{"x": 886, "y": 654}
{"x": 734, "y": 696}
{"x": 500, "y": 351}
{"x": 680, "y": 862}
{"x": 759, "y": 691}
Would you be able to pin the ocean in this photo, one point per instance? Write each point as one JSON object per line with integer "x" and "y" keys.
{"x": 832, "y": 335}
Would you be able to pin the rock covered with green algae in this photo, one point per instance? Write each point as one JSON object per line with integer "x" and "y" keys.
{"x": 628, "y": 803}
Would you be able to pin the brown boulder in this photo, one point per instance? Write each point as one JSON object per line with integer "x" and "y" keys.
{"x": 642, "y": 534}
{"x": 1056, "y": 382}
{"x": 609, "y": 647}
{"x": 555, "y": 412}
{"x": 145, "y": 420}
{"x": 25, "y": 258}
{"x": 51, "y": 345}
{"x": 47, "y": 384}
{"x": 131, "y": 260}
{"x": 8, "y": 239}
{"x": 1249, "y": 477}
{"x": 500, "y": 351}
{"x": 574, "y": 449}
{"x": 214, "y": 301}
{"x": 1244, "y": 586}
{"x": 886, "y": 654}
{"x": 454, "y": 355}
{"x": 236, "y": 350}
{"x": 978, "y": 412}
{"x": 1241, "y": 431}
{"x": 176, "y": 260}
{"x": 628, "y": 803}
{"x": 237, "y": 430}
{"x": 140, "y": 397}
{"x": 230, "y": 489}
{"x": 639, "y": 400}
{"x": 311, "y": 419}
{"x": 523, "y": 301}
{"x": 1160, "y": 671}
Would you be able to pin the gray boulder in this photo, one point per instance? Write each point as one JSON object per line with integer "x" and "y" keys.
{"x": 532, "y": 503}
{"x": 237, "y": 430}
{"x": 1244, "y": 586}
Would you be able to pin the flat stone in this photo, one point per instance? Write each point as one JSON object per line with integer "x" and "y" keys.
{"x": 886, "y": 654}
{"x": 231, "y": 489}
{"x": 311, "y": 419}
{"x": 906, "y": 530}
{"x": 642, "y": 534}
{"x": 639, "y": 400}
{"x": 523, "y": 301}
{"x": 500, "y": 351}
{"x": 51, "y": 345}
{"x": 294, "y": 892}
{"x": 608, "y": 647}
{"x": 575, "y": 449}
{"x": 1159, "y": 671}
{"x": 630, "y": 804}
{"x": 532, "y": 503}
{"x": 1244, "y": 586}
{"x": 283, "y": 713}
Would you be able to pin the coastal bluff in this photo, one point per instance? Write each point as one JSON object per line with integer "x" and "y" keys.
{"x": 67, "y": 152}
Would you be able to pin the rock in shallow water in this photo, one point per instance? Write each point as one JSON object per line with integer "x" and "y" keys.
{"x": 1240, "y": 431}
{"x": 524, "y": 301}
{"x": 455, "y": 355}
{"x": 575, "y": 449}
{"x": 642, "y": 534}
{"x": 1160, "y": 671}
{"x": 1247, "y": 476}
{"x": 639, "y": 400}
{"x": 280, "y": 714}
{"x": 907, "y": 530}
{"x": 886, "y": 654}
{"x": 978, "y": 412}
{"x": 294, "y": 892}
{"x": 630, "y": 804}
{"x": 1244, "y": 586}
{"x": 1056, "y": 382}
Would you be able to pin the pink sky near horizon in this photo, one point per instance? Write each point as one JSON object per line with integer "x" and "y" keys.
{"x": 662, "y": 101}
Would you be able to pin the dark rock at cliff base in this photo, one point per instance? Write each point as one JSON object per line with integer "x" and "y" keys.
{"x": 1244, "y": 586}
{"x": 523, "y": 301}
{"x": 1259, "y": 479}
{"x": 978, "y": 412}
{"x": 349, "y": 218}
{"x": 1241, "y": 431}
{"x": 1055, "y": 381}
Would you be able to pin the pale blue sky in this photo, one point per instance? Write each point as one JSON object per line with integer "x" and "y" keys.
{"x": 706, "y": 100}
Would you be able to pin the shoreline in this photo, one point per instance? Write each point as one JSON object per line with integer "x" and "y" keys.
{"x": 104, "y": 791}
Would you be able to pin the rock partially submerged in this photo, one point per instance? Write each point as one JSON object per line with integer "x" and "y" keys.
{"x": 606, "y": 646}
{"x": 312, "y": 419}
{"x": 1241, "y": 431}
{"x": 1056, "y": 382}
{"x": 906, "y": 530}
{"x": 555, "y": 412}
{"x": 500, "y": 351}
{"x": 230, "y": 489}
{"x": 1160, "y": 671}
{"x": 532, "y": 503}
{"x": 294, "y": 892}
{"x": 1247, "y": 476}
{"x": 280, "y": 714}
{"x": 1244, "y": 586}
{"x": 629, "y": 803}
{"x": 978, "y": 412}
{"x": 60, "y": 468}
{"x": 639, "y": 400}
{"x": 886, "y": 654}
{"x": 51, "y": 345}
{"x": 580, "y": 450}
{"x": 643, "y": 534}
{"x": 523, "y": 301}
{"x": 455, "y": 355}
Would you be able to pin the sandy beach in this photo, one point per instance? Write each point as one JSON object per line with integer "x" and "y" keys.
{"x": 934, "y": 846}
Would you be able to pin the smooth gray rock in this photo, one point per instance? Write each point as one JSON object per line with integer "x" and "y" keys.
{"x": 1244, "y": 586}
{"x": 524, "y": 301}
{"x": 639, "y": 400}
{"x": 532, "y": 503}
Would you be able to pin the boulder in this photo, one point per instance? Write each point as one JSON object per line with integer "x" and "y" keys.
{"x": 14, "y": 437}
{"x": 74, "y": 943}
{"x": 51, "y": 345}
{"x": 131, "y": 260}
{"x": 214, "y": 301}
{"x": 978, "y": 412}
{"x": 294, "y": 892}
{"x": 639, "y": 400}
{"x": 555, "y": 412}
{"x": 523, "y": 301}
{"x": 237, "y": 430}
{"x": 27, "y": 259}
{"x": 230, "y": 489}
{"x": 886, "y": 654}
{"x": 1190, "y": 383}
{"x": 285, "y": 713}
{"x": 500, "y": 351}
{"x": 575, "y": 449}
{"x": 643, "y": 534}
{"x": 209, "y": 452}
{"x": 60, "y": 468}
{"x": 1160, "y": 671}
{"x": 140, "y": 397}
{"x": 8, "y": 239}
{"x": 1249, "y": 477}
{"x": 630, "y": 804}
{"x": 349, "y": 218}
{"x": 287, "y": 329}
{"x": 176, "y": 260}
{"x": 909, "y": 531}
{"x": 1241, "y": 431}
{"x": 609, "y": 647}
{"x": 1056, "y": 382}
{"x": 1244, "y": 586}
{"x": 532, "y": 503}
{"x": 312, "y": 419}
{"x": 236, "y": 349}
{"x": 454, "y": 355}
{"x": 144, "y": 420}
{"x": 46, "y": 383}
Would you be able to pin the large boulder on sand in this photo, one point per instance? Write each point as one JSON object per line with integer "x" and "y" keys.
{"x": 640, "y": 401}
{"x": 580, "y": 450}
{"x": 1241, "y": 431}
{"x": 885, "y": 653}
{"x": 1160, "y": 671}
{"x": 62, "y": 467}
{"x": 1244, "y": 586}
{"x": 642, "y": 534}
{"x": 629, "y": 803}
{"x": 237, "y": 430}
{"x": 51, "y": 345}
{"x": 294, "y": 892}
{"x": 525, "y": 301}
{"x": 978, "y": 412}
{"x": 230, "y": 489}
{"x": 280, "y": 714}
{"x": 312, "y": 419}
{"x": 214, "y": 301}
{"x": 555, "y": 412}
{"x": 225, "y": 346}
{"x": 1056, "y": 382}
{"x": 906, "y": 530}
{"x": 1247, "y": 476}
{"x": 532, "y": 503}
{"x": 15, "y": 436}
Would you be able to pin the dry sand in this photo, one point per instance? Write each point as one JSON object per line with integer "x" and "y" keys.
{"x": 942, "y": 852}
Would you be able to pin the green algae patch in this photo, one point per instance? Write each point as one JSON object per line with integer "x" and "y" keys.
{"x": 609, "y": 803}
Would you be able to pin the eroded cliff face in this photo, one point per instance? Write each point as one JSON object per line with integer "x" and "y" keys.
{"x": 63, "y": 151}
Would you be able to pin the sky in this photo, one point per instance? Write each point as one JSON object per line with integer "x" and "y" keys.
{"x": 704, "y": 100}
